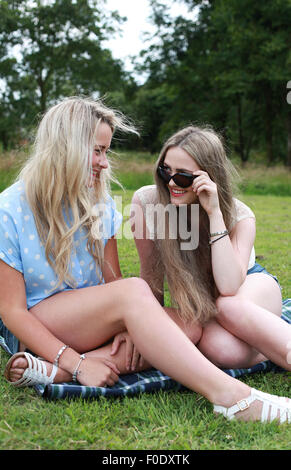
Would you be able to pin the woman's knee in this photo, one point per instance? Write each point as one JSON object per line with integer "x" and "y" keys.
{"x": 192, "y": 330}
{"x": 258, "y": 289}
{"x": 136, "y": 287}
{"x": 222, "y": 348}
{"x": 228, "y": 306}
{"x": 135, "y": 294}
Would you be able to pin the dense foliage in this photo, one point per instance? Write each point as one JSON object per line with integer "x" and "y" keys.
{"x": 229, "y": 66}
{"x": 51, "y": 49}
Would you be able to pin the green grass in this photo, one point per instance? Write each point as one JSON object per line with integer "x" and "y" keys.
{"x": 165, "y": 420}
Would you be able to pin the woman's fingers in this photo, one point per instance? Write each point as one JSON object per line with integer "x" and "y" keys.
{"x": 132, "y": 356}
{"x": 111, "y": 380}
{"x": 112, "y": 366}
{"x": 112, "y": 375}
{"x": 115, "y": 344}
{"x": 200, "y": 172}
{"x": 203, "y": 187}
{"x": 129, "y": 349}
{"x": 135, "y": 359}
{"x": 203, "y": 180}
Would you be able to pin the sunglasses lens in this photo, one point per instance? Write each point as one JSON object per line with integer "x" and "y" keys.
{"x": 183, "y": 180}
{"x": 164, "y": 174}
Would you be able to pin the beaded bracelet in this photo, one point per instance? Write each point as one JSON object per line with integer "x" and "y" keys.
{"x": 76, "y": 371}
{"x": 63, "y": 348}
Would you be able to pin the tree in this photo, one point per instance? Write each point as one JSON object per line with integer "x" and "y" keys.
{"x": 54, "y": 48}
{"x": 252, "y": 57}
{"x": 229, "y": 67}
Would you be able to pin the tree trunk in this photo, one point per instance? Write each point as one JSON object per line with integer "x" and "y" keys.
{"x": 42, "y": 90}
{"x": 4, "y": 139}
{"x": 288, "y": 161}
{"x": 269, "y": 126}
{"x": 243, "y": 153}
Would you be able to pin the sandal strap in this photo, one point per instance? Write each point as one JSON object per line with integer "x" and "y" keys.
{"x": 241, "y": 405}
{"x": 35, "y": 373}
{"x": 272, "y": 404}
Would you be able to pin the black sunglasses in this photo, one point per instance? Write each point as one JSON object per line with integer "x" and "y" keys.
{"x": 180, "y": 179}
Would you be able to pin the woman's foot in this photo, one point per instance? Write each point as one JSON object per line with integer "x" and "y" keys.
{"x": 258, "y": 406}
{"x": 17, "y": 369}
{"x": 24, "y": 369}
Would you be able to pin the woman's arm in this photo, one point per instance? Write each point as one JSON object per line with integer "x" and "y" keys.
{"x": 24, "y": 325}
{"x": 146, "y": 249}
{"x": 36, "y": 337}
{"x": 111, "y": 271}
{"x": 229, "y": 255}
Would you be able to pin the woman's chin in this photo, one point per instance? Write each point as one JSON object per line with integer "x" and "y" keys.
{"x": 178, "y": 201}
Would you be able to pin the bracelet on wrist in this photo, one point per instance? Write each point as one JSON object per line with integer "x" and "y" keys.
{"x": 225, "y": 232}
{"x": 76, "y": 371}
{"x": 219, "y": 238}
{"x": 63, "y": 348}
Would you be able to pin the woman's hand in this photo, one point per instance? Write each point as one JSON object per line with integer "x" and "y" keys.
{"x": 132, "y": 356}
{"x": 206, "y": 191}
{"x": 97, "y": 372}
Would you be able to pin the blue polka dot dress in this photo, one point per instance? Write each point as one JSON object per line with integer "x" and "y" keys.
{"x": 21, "y": 248}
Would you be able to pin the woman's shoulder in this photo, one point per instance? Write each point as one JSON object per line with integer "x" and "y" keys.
{"x": 12, "y": 199}
{"x": 147, "y": 194}
{"x": 242, "y": 210}
{"x": 13, "y": 191}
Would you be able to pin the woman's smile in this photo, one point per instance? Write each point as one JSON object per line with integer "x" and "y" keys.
{"x": 95, "y": 173}
{"x": 176, "y": 192}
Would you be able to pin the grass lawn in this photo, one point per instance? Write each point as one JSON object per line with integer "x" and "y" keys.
{"x": 165, "y": 420}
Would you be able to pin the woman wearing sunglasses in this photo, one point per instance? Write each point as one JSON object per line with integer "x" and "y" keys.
{"x": 218, "y": 285}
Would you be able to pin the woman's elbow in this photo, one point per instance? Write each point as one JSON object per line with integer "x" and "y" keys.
{"x": 229, "y": 289}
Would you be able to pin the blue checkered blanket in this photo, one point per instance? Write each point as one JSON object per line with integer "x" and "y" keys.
{"x": 149, "y": 381}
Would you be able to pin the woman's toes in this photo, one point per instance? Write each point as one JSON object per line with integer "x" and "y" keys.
{"x": 17, "y": 368}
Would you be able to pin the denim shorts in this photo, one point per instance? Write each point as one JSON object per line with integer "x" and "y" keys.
{"x": 7, "y": 340}
{"x": 257, "y": 268}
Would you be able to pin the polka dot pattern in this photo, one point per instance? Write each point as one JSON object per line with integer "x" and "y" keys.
{"x": 21, "y": 248}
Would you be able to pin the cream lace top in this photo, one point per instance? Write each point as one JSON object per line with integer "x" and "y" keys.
{"x": 147, "y": 195}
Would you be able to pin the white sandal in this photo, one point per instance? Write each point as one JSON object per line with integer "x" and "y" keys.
{"x": 35, "y": 373}
{"x": 271, "y": 405}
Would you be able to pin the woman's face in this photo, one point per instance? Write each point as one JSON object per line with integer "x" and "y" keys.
{"x": 178, "y": 160}
{"x": 99, "y": 160}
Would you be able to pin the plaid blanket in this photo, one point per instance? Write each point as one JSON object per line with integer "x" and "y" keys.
{"x": 149, "y": 381}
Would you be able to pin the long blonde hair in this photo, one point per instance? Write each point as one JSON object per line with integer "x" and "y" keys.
{"x": 189, "y": 272}
{"x": 56, "y": 179}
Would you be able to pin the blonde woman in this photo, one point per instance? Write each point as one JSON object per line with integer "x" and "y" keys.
{"x": 61, "y": 292}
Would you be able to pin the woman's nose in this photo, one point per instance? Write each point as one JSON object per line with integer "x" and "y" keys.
{"x": 100, "y": 160}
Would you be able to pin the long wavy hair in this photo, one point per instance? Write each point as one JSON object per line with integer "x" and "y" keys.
{"x": 56, "y": 180}
{"x": 189, "y": 272}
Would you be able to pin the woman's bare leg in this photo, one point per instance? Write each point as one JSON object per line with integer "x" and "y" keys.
{"x": 155, "y": 335}
{"x": 226, "y": 350}
{"x": 20, "y": 364}
{"x": 89, "y": 317}
{"x": 249, "y": 326}
{"x": 192, "y": 330}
